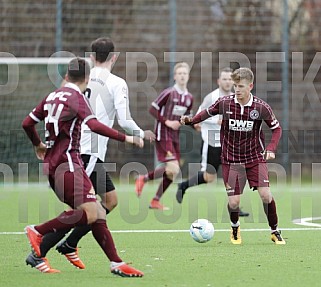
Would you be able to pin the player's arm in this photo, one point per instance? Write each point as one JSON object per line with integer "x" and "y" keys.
{"x": 270, "y": 150}
{"x": 29, "y": 126}
{"x": 276, "y": 129}
{"x": 187, "y": 120}
{"x": 202, "y": 116}
{"x": 155, "y": 111}
{"x": 125, "y": 120}
{"x": 104, "y": 130}
{"x": 129, "y": 125}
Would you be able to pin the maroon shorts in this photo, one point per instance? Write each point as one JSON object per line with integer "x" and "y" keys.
{"x": 72, "y": 188}
{"x": 167, "y": 151}
{"x": 235, "y": 176}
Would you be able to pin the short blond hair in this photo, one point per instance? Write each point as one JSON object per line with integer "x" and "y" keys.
{"x": 181, "y": 65}
{"x": 243, "y": 74}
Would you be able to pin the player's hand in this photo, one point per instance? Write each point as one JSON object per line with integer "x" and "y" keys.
{"x": 197, "y": 127}
{"x": 174, "y": 125}
{"x": 149, "y": 135}
{"x": 267, "y": 154}
{"x": 137, "y": 141}
{"x": 40, "y": 151}
{"x": 186, "y": 120}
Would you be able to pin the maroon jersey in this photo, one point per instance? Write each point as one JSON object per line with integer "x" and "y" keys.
{"x": 63, "y": 112}
{"x": 241, "y": 132}
{"x": 171, "y": 104}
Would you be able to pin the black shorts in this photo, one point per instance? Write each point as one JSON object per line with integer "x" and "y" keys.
{"x": 98, "y": 174}
{"x": 211, "y": 158}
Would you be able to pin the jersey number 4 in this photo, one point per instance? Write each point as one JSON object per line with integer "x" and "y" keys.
{"x": 53, "y": 117}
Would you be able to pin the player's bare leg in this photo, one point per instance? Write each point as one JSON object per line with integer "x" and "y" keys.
{"x": 171, "y": 171}
{"x": 142, "y": 179}
{"x": 200, "y": 178}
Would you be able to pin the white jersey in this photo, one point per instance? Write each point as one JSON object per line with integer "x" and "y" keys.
{"x": 210, "y": 128}
{"x": 108, "y": 97}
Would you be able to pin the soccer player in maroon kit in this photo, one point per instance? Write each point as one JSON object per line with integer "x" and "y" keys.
{"x": 167, "y": 109}
{"x": 63, "y": 111}
{"x": 244, "y": 154}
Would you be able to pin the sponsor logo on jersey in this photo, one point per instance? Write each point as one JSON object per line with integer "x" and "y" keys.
{"x": 179, "y": 110}
{"x": 254, "y": 114}
{"x": 240, "y": 125}
{"x": 97, "y": 80}
{"x": 91, "y": 196}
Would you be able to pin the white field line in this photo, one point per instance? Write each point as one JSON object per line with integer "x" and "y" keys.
{"x": 300, "y": 221}
{"x": 182, "y": 230}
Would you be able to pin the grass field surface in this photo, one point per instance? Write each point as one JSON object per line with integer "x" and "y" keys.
{"x": 158, "y": 243}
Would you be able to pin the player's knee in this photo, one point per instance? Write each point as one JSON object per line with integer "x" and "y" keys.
{"x": 233, "y": 202}
{"x": 91, "y": 211}
{"x": 172, "y": 170}
{"x": 266, "y": 198}
{"x": 265, "y": 195}
{"x": 92, "y": 216}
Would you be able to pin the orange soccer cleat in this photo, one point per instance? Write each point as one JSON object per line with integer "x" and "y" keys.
{"x": 71, "y": 254}
{"x": 139, "y": 185}
{"x": 155, "y": 204}
{"x": 124, "y": 270}
{"x": 35, "y": 238}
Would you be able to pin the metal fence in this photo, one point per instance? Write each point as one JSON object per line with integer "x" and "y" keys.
{"x": 279, "y": 40}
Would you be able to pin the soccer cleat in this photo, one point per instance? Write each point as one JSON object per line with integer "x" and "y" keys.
{"x": 139, "y": 184}
{"x": 180, "y": 193}
{"x": 243, "y": 213}
{"x": 35, "y": 238}
{"x": 40, "y": 263}
{"x": 71, "y": 254}
{"x": 277, "y": 238}
{"x": 154, "y": 204}
{"x": 236, "y": 235}
{"x": 124, "y": 270}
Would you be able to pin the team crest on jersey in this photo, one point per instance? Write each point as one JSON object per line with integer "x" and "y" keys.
{"x": 188, "y": 102}
{"x": 254, "y": 114}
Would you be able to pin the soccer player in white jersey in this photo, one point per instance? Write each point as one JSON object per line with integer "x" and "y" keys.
{"x": 244, "y": 153}
{"x": 108, "y": 97}
{"x": 210, "y": 130}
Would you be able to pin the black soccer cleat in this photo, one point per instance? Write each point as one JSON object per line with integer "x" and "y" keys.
{"x": 71, "y": 254}
{"x": 243, "y": 213}
{"x": 64, "y": 248}
{"x": 40, "y": 263}
{"x": 180, "y": 193}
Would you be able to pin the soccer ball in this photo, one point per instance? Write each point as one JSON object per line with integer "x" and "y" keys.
{"x": 202, "y": 230}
